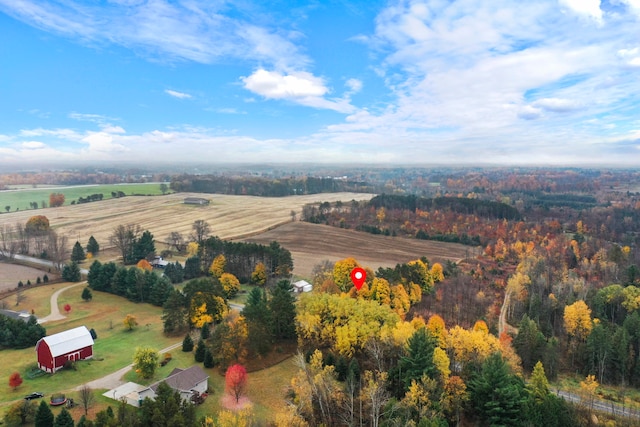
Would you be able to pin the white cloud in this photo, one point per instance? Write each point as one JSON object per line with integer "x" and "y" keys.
{"x": 33, "y": 145}
{"x": 589, "y": 8}
{"x": 299, "y": 87}
{"x": 200, "y": 31}
{"x": 354, "y": 85}
{"x": 176, "y": 94}
{"x": 556, "y": 104}
{"x": 275, "y": 85}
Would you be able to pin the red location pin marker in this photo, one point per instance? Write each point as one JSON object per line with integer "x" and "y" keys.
{"x": 358, "y": 276}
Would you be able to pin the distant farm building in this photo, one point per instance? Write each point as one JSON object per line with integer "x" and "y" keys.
{"x": 302, "y": 286}
{"x": 195, "y": 201}
{"x": 19, "y": 315}
{"x": 55, "y": 350}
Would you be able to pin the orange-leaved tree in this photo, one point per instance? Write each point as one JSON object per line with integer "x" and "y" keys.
{"x": 56, "y": 199}
{"x": 143, "y": 264}
{"x": 236, "y": 381}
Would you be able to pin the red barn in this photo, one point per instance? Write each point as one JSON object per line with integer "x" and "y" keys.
{"x": 54, "y": 351}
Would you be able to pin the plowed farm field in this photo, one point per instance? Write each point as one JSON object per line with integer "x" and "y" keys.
{"x": 228, "y": 216}
{"x": 312, "y": 243}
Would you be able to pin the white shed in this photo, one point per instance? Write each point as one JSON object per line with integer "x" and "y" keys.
{"x": 302, "y": 286}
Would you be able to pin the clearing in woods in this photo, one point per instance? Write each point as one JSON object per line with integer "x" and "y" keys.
{"x": 311, "y": 243}
{"x": 228, "y": 216}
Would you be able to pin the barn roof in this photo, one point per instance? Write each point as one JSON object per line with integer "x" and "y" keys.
{"x": 68, "y": 341}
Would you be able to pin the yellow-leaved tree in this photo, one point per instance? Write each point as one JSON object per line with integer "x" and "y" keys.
{"x": 342, "y": 273}
{"x": 230, "y": 284}
{"x": 259, "y": 275}
{"x": 192, "y": 249}
{"x": 436, "y": 326}
{"x": 218, "y": 265}
{"x": 199, "y": 316}
{"x": 437, "y": 272}
{"x": 577, "y": 320}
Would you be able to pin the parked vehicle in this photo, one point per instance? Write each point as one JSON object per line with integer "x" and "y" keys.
{"x": 34, "y": 395}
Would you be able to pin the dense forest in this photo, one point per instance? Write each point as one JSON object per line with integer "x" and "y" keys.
{"x": 266, "y": 187}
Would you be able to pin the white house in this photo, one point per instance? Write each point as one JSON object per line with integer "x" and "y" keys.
{"x": 302, "y": 286}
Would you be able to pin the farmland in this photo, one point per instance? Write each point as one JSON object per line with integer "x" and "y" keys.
{"x": 312, "y": 243}
{"x": 20, "y": 198}
{"x": 228, "y": 216}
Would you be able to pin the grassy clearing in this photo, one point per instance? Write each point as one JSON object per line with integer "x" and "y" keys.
{"x": 20, "y": 198}
{"x": 113, "y": 349}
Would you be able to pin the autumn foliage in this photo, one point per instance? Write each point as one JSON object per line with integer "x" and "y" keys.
{"x": 56, "y": 199}
{"x": 15, "y": 380}
{"x": 67, "y": 308}
{"x": 37, "y": 224}
{"x": 236, "y": 381}
{"x": 144, "y": 265}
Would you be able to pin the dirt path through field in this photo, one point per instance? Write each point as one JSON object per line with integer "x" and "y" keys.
{"x": 55, "y": 310}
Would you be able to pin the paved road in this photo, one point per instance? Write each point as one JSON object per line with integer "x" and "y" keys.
{"x": 601, "y": 405}
{"x": 43, "y": 262}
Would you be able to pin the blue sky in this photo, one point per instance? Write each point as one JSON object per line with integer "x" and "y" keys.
{"x": 544, "y": 82}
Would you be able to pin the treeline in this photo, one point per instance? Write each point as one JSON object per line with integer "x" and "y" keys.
{"x": 90, "y": 198}
{"x": 462, "y": 205}
{"x": 265, "y": 187}
{"x": 242, "y": 258}
{"x": 15, "y": 333}
{"x": 574, "y": 201}
{"x": 133, "y": 283}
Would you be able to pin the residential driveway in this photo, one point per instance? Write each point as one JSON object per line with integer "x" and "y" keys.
{"x": 55, "y": 310}
{"x": 114, "y": 379}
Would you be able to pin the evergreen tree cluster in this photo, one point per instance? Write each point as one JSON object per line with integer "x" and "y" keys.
{"x": 242, "y": 258}
{"x": 15, "y": 333}
{"x": 132, "y": 283}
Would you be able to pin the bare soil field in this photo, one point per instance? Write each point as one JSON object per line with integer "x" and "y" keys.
{"x": 228, "y": 216}
{"x": 312, "y": 243}
{"x": 11, "y": 274}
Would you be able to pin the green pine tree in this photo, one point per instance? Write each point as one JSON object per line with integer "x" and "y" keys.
{"x": 77, "y": 253}
{"x": 64, "y": 419}
{"x": 44, "y": 416}
{"x": 187, "y": 344}
{"x": 208, "y": 359}
{"x": 259, "y": 322}
{"x": 419, "y": 358}
{"x": 86, "y": 294}
{"x": 200, "y": 351}
{"x": 498, "y": 396}
{"x": 283, "y": 310}
{"x": 93, "y": 246}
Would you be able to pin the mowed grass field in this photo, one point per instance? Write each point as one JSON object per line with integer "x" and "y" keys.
{"x": 20, "y": 198}
{"x": 228, "y": 216}
{"x": 311, "y": 243}
{"x": 114, "y": 350}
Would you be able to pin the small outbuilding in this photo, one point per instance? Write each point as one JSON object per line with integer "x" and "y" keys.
{"x": 302, "y": 286}
{"x": 55, "y": 350}
{"x": 196, "y": 201}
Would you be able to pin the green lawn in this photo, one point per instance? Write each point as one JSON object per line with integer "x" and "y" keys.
{"x": 114, "y": 350}
{"x": 20, "y": 199}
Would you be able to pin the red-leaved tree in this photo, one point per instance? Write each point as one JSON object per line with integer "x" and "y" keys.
{"x": 236, "y": 381}
{"x": 67, "y": 308}
{"x": 15, "y": 380}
